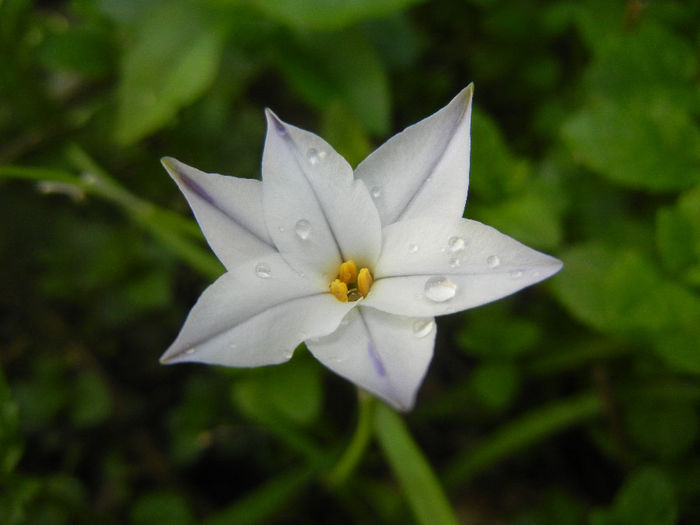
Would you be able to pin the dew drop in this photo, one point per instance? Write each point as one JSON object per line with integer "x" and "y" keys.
{"x": 493, "y": 261}
{"x": 190, "y": 351}
{"x": 516, "y": 274}
{"x": 412, "y": 248}
{"x": 303, "y": 229}
{"x": 440, "y": 289}
{"x": 454, "y": 262}
{"x": 456, "y": 244}
{"x": 376, "y": 192}
{"x": 423, "y": 327}
{"x": 262, "y": 270}
{"x": 315, "y": 156}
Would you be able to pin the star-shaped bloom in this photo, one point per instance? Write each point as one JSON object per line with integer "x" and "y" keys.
{"x": 354, "y": 264}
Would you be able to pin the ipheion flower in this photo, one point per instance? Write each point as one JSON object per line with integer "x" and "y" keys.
{"x": 355, "y": 265}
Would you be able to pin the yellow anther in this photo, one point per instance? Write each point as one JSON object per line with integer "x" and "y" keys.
{"x": 340, "y": 290}
{"x": 364, "y": 281}
{"x": 348, "y": 272}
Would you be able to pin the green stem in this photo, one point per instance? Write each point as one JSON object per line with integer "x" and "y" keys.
{"x": 358, "y": 444}
{"x": 420, "y": 485}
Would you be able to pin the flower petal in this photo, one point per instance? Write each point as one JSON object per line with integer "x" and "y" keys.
{"x": 437, "y": 266}
{"x": 317, "y": 214}
{"x": 228, "y": 209}
{"x": 424, "y": 170}
{"x": 253, "y": 315}
{"x": 387, "y": 355}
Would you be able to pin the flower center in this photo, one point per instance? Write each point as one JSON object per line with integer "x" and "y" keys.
{"x": 350, "y": 284}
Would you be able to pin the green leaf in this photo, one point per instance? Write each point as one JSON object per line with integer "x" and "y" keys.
{"x": 673, "y": 229}
{"x": 679, "y": 348}
{"x": 161, "y": 507}
{"x": 265, "y": 501}
{"x": 344, "y": 131}
{"x": 492, "y": 331}
{"x": 663, "y": 429}
{"x": 514, "y": 436}
{"x": 419, "y": 483}
{"x": 619, "y": 291}
{"x": 328, "y": 14}
{"x": 92, "y": 400}
{"x": 339, "y": 67}
{"x": 646, "y": 142}
{"x": 495, "y": 384}
{"x": 531, "y": 218}
{"x": 495, "y": 171}
{"x": 292, "y": 391}
{"x": 646, "y": 499}
{"x": 10, "y": 443}
{"x": 160, "y": 74}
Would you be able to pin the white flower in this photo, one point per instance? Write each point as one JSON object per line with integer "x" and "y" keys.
{"x": 356, "y": 265}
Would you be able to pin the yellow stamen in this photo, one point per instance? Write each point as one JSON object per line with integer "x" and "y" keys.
{"x": 340, "y": 290}
{"x": 364, "y": 281}
{"x": 348, "y": 272}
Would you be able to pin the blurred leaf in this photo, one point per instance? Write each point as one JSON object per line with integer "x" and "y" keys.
{"x": 92, "y": 402}
{"x": 530, "y": 217}
{"x": 679, "y": 348}
{"x": 619, "y": 291}
{"x": 421, "y": 487}
{"x": 665, "y": 430}
{"x": 648, "y": 60}
{"x": 161, "y": 507}
{"x": 646, "y": 499}
{"x": 513, "y": 436}
{"x": 646, "y": 142}
{"x": 330, "y": 67}
{"x": 16, "y": 497}
{"x": 328, "y": 14}
{"x": 495, "y": 171}
{"x": 10, "y": 442}
{"x": 343, "y": 130}
{"x": 83, "y": 49}
{"x": 291, "y": 390}
{"x": 160, "y": 74}
{"x": 495, "y": 384}
{"x": 673, "y": 230}
{"x": 494, "y": 332}
{"x": 264, "y": 502}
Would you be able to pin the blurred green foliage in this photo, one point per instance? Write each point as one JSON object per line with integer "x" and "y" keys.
{"x": 575, "y": 401}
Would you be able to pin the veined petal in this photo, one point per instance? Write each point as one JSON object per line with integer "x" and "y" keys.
{"x": 316, "y": 213}
{"x": 424, "y": 170}
{"x": 435, "y": 266}
{"x": 228, "y": 209}
{"x": 387, "y": 355}
{"x": 253, "y": 315}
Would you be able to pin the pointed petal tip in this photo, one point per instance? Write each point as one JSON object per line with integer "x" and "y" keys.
{"x": 273, "y": 121}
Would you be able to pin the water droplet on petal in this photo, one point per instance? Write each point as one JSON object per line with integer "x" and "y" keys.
{"x": 376, "y": 192}
{"x": 456, "y": 244}
{"x": 315, "y": 156}
{"x": 262, "y": 270}
{"x": 281, "y": 229}
{"x": 440, "y": 289}
{"x": 190, "y": 351}
{"x": 454, "y": 262}
{"x": 412, "y": 248}
{"x": 303, "y": 229}
{"x": 423, "y": 327}
{"x": 493, "y": 261}
{"x": 516, "y": 274}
